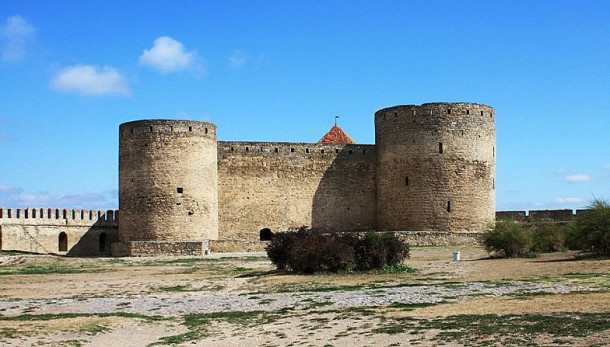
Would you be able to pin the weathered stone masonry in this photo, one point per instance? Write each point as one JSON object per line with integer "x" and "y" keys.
{"x": 70, "y": 232}
{"x": 432, "y": 170}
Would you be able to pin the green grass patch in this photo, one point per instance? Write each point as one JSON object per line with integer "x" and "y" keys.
{"x": 50, "y": 269}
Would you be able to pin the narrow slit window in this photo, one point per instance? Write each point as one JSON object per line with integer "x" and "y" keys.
{"x": 306, "y": 150}
{"x": 363, "y": 151}
{"x": 171, "y": 128}
{"x": 247, "y": 149}
{"x": 448, "y": 111}
{"x": 232, "y": 149}
{"x": 432, "y": 112}
{"x": 205, "y": 130}
{"x": 494, "y": 152}
{"x": 260, "y": 149}
{"x": 190, "y": 128}
{"x": 440, "y": 148}
{"x": 481, "y": 113}
{"x": 180, "y": 190}
{"x": 406, "y": 180}
{"x": 467, "y": 111}
{"x": 149, "y": 128}
{"x": 448, "y": 206}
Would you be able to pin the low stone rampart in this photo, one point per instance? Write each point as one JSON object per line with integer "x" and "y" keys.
{"x": 538, "y": 216}
{"x": 157, "y": 248}
{"x": 58, "y": 231}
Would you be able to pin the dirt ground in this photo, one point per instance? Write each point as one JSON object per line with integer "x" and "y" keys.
{"x": 50, "y": 300}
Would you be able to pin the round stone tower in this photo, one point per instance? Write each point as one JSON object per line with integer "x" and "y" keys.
{"x": 168, "y": 186}
{"x": 435, "y": 167}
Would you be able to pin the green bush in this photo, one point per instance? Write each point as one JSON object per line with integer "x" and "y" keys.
{"x": 307, "y": 251}
{"x": 508, "y": 239}
{"x": 548, "y": 237}
{"x": 590, "y": 230}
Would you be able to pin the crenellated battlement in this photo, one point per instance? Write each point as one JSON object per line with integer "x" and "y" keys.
{"x": 64, "y": 216}
{"x": 153, "y": 128}
{"x": 292, "y": 149}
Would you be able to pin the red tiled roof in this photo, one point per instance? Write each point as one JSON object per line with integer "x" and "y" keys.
{"x": 336, "y": 135}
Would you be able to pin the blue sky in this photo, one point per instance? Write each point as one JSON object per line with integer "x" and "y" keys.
{"x": 72, "y": 71}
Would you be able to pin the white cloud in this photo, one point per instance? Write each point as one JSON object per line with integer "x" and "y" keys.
{"x": 16, "y": 32}
{"x": 577, "y": 178}
{"x": 237, "y": 59}
{"x": 91, "y": 80}
{"x": 569, "y": 200}
{"x": 168, "y": 55}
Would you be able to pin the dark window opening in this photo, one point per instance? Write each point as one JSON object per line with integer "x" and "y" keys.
{"x": 322, "y": 151}
{"x": 190, "y": 128}
{"x": 34, "y": 213}
{"x": 350, "y": 151}
{"x": 406, "y": 180}
{"x": 448, "y": 206}
{"x": 131, "y": 130}
{"x": 149, "y": 128}
{"x": 232, "y": 149}
{"x": 336, "y": 150}
{"x": 292, "y": 150}
{"x": 26, "y": 213}
{"x": 363, "y": 151}
{"x": 171, "y": 128}
{"x": 62, "y": 242}
{"x": 448, "y": 111}
{"x": 440, "y": 148}
{"x": 179, "y": 190}
{"x": 395, "y": 114}
{"x": 205, "y": 130}
{"x": 260, "y": 149}
{"x": 467, "y": 111}
{"x": 102, "y": 243}
{"x": 481, "y": 113}
{"x": 265, "y": 234}
{"x": 247, "y": 149}
{"x": 306, "y": 150}
{"x": 191, "y": 213}
{"x": 276, "y": 150}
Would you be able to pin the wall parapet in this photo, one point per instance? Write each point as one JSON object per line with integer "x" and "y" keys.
{"x": 535, "y": 216}
{"x": 293, "y": 149}
{"x": 65, "y": 216}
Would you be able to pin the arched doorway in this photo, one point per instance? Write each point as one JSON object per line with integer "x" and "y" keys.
{"x": 63, "y": 242}
{"x": 265, "y": 234}
{"x": 102, "y": 243}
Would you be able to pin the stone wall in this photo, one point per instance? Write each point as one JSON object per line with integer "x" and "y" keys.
{"x": 537, "y": 216}
{"x": 436, "y": 167}
{"x": 59, "y": 231}
{"x": 157, "y": 248}
{"x": 283, "y": 186}
{"x": 168, "y": 181}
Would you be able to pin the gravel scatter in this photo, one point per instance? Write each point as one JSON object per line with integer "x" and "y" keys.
{"x": 188, "y": 303}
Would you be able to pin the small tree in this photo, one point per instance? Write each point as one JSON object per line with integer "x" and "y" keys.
{"x": 591, "y": 229}
{"x": 508, "y": 239}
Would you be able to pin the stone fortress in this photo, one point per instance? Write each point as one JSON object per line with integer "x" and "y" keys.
{"x": 430, "y": 175}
